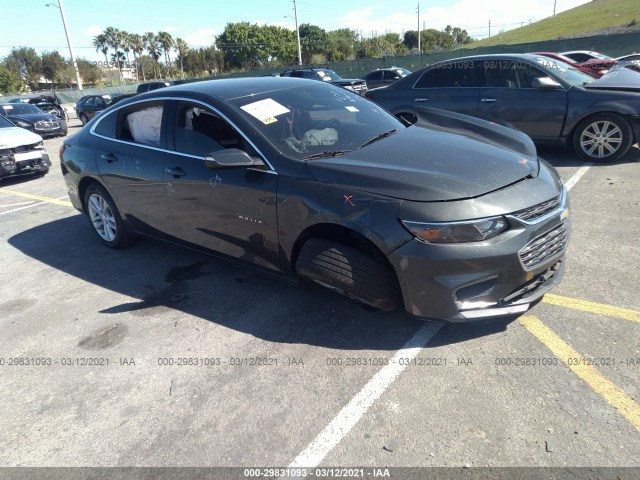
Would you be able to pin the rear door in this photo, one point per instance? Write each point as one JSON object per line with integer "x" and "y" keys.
{"x": 131, "y": 158}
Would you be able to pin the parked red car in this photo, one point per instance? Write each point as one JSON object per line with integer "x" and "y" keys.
{"x": 570, "y": 61}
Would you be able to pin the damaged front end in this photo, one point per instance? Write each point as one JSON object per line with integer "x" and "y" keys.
{"x": 24, "y": 160}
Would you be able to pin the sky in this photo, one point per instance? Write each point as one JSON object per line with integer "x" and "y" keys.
{"x": 40, "y": 26}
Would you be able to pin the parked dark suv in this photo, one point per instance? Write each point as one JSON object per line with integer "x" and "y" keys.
{"x": 324, "y": 74}
{"x": 147, "y": 87}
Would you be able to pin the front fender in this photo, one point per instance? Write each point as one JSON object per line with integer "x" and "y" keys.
{"x": 306, "y": 204}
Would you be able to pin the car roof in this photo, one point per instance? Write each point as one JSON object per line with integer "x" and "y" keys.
{"x": 231, "y": 88}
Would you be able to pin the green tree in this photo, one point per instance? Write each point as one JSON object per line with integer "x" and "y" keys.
{"x": 137, "y": 47}
{"x": 101, "y": 43}
{"x": 313, "y": 39}
{"x": 26, "y": 64}
{"x": 9, "y": 81}
{"x": 89, "y": 72}
{"x": 183, "y": 49}
{"x": 155, "y": 49}
{"x": 166, "y": 43}
{"x": 53, "y": 64}
{"x": 342, "y": 44}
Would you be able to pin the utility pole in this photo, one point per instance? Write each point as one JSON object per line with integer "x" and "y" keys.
{"x": 489, "y": 28}
{"x": 66, "y": 32}
{"x": 419, "y": 49}
{"x": 295, "y": 12}
{"x": 554, "y": 8}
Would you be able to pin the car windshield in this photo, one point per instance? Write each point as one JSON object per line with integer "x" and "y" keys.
{"x": 565, "y": 71}
{"x": 316, "y": 120}
{"x": 328, "y": 75}
{"x": 21, "y": 109}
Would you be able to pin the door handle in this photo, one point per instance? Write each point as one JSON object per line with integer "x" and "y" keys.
{"x": 176, "y": 172}
{"x": 488, "y": 100}
{"x": 420, "y": 99}
{"x": 109, "y": 157}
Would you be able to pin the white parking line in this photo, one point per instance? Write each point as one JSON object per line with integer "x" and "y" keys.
{"x": 357, "y": 407}
{"x": 578, "y": 175}
{"x": 33, "y": 205}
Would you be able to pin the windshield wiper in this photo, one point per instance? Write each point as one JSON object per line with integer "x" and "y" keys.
{"x": 333, "y": 153}
{"x": 380, "y": 136}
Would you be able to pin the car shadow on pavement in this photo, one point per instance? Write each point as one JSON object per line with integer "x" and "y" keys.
{"x": 164, "y": 278}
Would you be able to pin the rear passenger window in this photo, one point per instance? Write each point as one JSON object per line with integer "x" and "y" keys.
{"x": 450, "y": 75}
{"x": 141, "y": 123}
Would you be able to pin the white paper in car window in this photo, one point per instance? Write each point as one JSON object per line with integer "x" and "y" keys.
{"x": 265, "y": 110}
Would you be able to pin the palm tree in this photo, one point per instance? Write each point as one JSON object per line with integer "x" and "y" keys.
{"x": 167, "y": 43}
{"x": 113, "y": 40}
{"x": 137, "y": 47}
{"x": 154, "y": 49}
{"x": 183, "y": 49}
{"x": 102, "y": 45}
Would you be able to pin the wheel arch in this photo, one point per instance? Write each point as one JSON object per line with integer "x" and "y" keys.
{"x": 342, "y": 234}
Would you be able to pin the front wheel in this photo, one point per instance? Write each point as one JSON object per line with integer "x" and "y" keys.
{"x": 350, "y": 272}
{"x": 104, "y": 217}
{"x": 83, "y": 118}
{"x": 604, "y": 137}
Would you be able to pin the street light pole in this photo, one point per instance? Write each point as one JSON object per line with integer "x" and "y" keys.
{"x": 66, "y": 32}
{"x": 295, "y": 11}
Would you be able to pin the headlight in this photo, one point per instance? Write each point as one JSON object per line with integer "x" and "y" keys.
{"x": 22, "y": 124}
{"x": 457, "y": 232}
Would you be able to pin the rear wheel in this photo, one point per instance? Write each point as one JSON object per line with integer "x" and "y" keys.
{"x": 602, "y": 138}
{"x": 83, "y": 118}
{"x": 350, "y": 272}
{"x": 104, "y": 217}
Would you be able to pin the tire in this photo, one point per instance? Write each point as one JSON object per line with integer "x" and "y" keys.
{"x": 603, "y": 137}
{"x": 105, "y": 218}
{"x": 349, "y": 272}
{"x": 83, "y": 118}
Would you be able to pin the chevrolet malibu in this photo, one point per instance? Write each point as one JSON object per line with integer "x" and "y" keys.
{"x": 451, "y": 218}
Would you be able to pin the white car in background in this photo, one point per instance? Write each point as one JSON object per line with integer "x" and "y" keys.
{"x": 21, "y": 152}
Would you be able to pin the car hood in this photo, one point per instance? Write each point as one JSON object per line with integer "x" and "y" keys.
{"x": 425, "y": 164}
{"x": 621, "y": 79}
{"x": 34, "y": 117}
{"x": 13, "y": 137}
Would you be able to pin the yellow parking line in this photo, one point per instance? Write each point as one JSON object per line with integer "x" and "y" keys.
{"x": 592, "y": 307}
{"x": 36, "y": 197}
{"x": 16, "y": 204}
{"x": 614, "y": 395}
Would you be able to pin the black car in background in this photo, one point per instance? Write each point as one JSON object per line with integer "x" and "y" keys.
{"x": 547, "y": 99}
{"x": 29, "y": 116}
{"x": 458, "y": 221}
{"x": 357, "y": 85}
{"x": 149, "y": 86}
{"x": 89, "y": 105}
{"x": 384, "y": 76}
{"x": 46, "y": 103}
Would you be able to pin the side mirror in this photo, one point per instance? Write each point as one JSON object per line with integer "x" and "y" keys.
{"x": 229, "y": 158}
{"x": 545, "y": 83}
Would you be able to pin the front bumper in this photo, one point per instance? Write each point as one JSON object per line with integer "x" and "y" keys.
{"x": 505, "y": 275}
{"x": 13, "y": 164}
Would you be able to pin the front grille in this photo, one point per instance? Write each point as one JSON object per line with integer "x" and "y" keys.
{"x": 537, "y": 211}
{"x": 544, "y": 247}
{"x": 42, "y": 125}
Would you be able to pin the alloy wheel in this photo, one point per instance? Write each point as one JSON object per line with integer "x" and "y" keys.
{"x": 102, "y": 217}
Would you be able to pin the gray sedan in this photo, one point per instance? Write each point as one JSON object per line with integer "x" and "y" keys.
{"x": 547, "y": 99}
